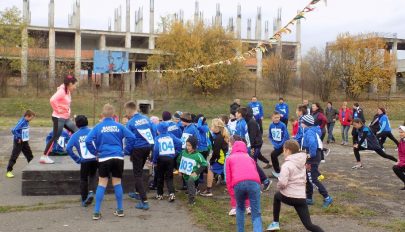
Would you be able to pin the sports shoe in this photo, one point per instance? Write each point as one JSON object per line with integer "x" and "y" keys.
{"x": 232, "y": 212}
{"x": 321, "y": 177}
{"x": 327, "y": 152}
{"x": 159, "y": 197}
{"x": 219, "y": 180}
{"x": 266, "y": 185}
{"x": 248, "y": 211}
{"x": 119, "y": 213}
{"x": 134, "y": 195}
{"x": 310, "y": 202}
{"x": 207, "y": 193}
{"x": 275, "y": 174}
{"x": 9, "y": 175}
{"x": 96, "y": 216}
{"x": 89, "y": 199}
{"x": 327, "y": 202}
{"x": 357, "y": 166}
{"x": 46, "y": 160}
{"x": 323, "y": 161}
{"x": 342, "y": 143}
{"x": 142, "y": 205}
{"x": 273, "y": 226}
{"x": 172, "y": 197}
{"x": 267, "y": 166}
{"x": 176, "y": 172}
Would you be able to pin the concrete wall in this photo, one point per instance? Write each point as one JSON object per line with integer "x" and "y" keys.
{"x": 401, "y": 66}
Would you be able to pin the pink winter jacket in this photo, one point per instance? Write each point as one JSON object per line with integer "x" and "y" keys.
{"x": 239, "y": 166}
{"x": 401, "y": 153}
{"x": 292, "y": 179}
{"x": 60, "y": 103}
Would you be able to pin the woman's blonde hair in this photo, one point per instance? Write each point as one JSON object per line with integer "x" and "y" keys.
{"x": 218, "y": 123}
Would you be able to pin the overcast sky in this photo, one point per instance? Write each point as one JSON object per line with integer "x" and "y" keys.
{"x": 320, "y": 26}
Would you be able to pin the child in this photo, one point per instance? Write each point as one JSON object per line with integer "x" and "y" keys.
{"x": 191, "y": 165}
{"x": 189, "y": 129}
{"x": 399, "y": 168}
{"x": 312, "y": 144}
{"x": 232, "y": 123}
{"x": 219, "y": 150}
{"x": 106, "y": 142}
{"x": 242, "y": 177}
{"x": 283, "y": 110}
{"x": 59, "y": 148}
{"x": 291, "y": 185}
{"x": 366, "y": 140}
{"x": 88, "y": 162}
{"x": 173, "y": 127}
{"x": 21, "y": 134}
{"x": 166, "y": 147}
{"x": 258, "y": 113}
{"x": 385, "y": 128}
{"x": 278, "y": 134}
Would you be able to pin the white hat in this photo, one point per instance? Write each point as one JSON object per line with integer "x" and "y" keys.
{"x": 402, "y": 128}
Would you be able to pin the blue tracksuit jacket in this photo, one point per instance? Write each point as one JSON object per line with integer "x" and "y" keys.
{"x": 78, "y": 141}
{"x": 278, "y": 134}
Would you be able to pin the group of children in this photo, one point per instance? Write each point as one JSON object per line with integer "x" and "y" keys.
{"x": 182, "y": 144}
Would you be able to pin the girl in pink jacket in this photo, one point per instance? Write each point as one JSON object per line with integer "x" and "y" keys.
{"x": 291, "y": 185}
{"x": 60, "y": 103}
{"x": 399, "y": 168}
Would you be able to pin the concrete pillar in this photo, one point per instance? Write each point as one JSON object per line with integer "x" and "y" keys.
{"x": 394, "y": 64}
{"x": 266, "y": 30}
{"x": 249, "y": 29}
{"x": 133, "y": 74}
{"x": 239, "y": 22}
{"x": 258, "y": 29}
{"x": 24, "y": 43}
{"x": 230, "y": 25}
{"x": 196, "y": 13}
{"x": 51, "y": 44}
{"x": 127, "y": 76}
{"x": 218, "y": 16}
{"x": 298, "y": 51}
{"x": 259, "y": 64}
{"x": 151, "y": 25}
{"x": 78, "y": 41}
{"x": 105, "y": 81}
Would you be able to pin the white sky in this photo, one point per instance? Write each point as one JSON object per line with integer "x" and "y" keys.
{"x": 321, "y": 25}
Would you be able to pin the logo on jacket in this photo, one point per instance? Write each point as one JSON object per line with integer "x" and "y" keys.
{"x": 141, "y": 122}
{"x": 107, "y": 129}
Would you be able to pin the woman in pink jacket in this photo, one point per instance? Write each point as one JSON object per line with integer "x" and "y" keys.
{"x": 243, "y": 178}
{"x": 399, "y": 168}
{"x": 60, "y": 103}
{"x": 291, "y": 185}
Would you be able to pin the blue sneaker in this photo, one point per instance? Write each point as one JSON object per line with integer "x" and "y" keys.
{"x": 273, "y": 226}
{"x": 327, "y": 202}
{"x": 310, "y": 202}
{"x": 266, "y": 184}
{"x": 134, "y": 195}
{"x": 142, "y": 205}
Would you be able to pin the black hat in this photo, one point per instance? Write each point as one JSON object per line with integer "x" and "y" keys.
{"x": 193, "y": 141}
{"x": 166, "y": 116}
{"x": 81, "y": 121}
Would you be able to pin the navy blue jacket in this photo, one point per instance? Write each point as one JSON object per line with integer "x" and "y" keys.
{"x": 21, "y": 125}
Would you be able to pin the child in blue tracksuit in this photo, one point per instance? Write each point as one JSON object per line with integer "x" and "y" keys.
{"x": 21, "y": 133}
{"x": 278, "y": 135}
{"x": 258, "y": 113}
{"x": 312, "y": 144}
{"x": 282, "y": 108}
{"x": 241, "y": 126}
{"x": 166, "y": 147}
{"x": 173, "y": 128}
{"x": 145, "y": 133}
{"x": 60, "y": 146}
{"x": 88, "y": 162}
{"x": 106, "y": 142}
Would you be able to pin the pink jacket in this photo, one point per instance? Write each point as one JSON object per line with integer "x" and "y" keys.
{"x": 401, "y": 153}
{"x": 292, "y": 179}
{"x": 60, "y": 103}
{"x": 239, "y": 166}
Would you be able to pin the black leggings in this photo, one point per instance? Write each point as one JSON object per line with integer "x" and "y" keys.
{"x": 400, "y": 172}
{"x": 58, "y": 125}
{"x": 274, "y": 159}
{"x": 164, "y": 168}
{"x": 383, "y": 136}
{"x": 138, "y": 158}
{"x": 300, "y": 206}
{"x": 379, "y": 151}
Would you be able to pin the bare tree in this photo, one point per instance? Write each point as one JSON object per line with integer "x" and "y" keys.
{"x": 280, "y": 72}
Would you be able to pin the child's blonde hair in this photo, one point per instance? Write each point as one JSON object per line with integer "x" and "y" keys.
{"x": 218, "y": 123}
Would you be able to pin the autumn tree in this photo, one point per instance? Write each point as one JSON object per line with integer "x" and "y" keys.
{"x": 188, "y": 45}
{"x": 360, "y": 62}
{"x": 279, "y": 71}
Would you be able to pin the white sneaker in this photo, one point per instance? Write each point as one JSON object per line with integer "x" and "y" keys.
{"x": 248, "y": 211}
{"x": 46, "y": 160}
{"x": 323, "y": 161}
{"x": 232, "y": 212}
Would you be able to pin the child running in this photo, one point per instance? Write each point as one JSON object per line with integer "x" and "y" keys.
{"x": 106, "y": 141}
{"x": 191, "y": 165}
{"x": 366, "y": 140}
{"x": 88, "y": 162}
{"x": 291, "y": 185}
{"x": 399, "y": 168}
{"x": 166, "y": 147}
{"x": 385, "y": 128}
{"x": 278, "y": 135}
{"x": 21, "y": 133}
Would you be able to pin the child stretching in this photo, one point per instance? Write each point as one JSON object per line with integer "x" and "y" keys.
{"x": 164, "y": 152}
{"x": 21, "y": 134}
{"x": 191, "y": 165}
{"x": 60, "y": 145}
{"x": 366, "y": 140}
{"x": 278, "y": 134}
{"x": 291, "y": 185}
{"x": 399, "y": 168}
{"x": 88, "y": 162}
{"x": 106, "y": 142}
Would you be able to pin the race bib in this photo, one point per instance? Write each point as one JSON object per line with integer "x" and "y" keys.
{"x": 61, "y": 142}
{"x": 184, "y": 138}
{"x": 186, "y": 165}
{"x": 25, "y": 134}
{"x": 147, "y": 135}
{"x": 166, "y": 146}
{"x": 255, "y": 110}
{"x": 276, "y": 134}
{"x": 247, "y": 139}
{"x": 85, "y": 152}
